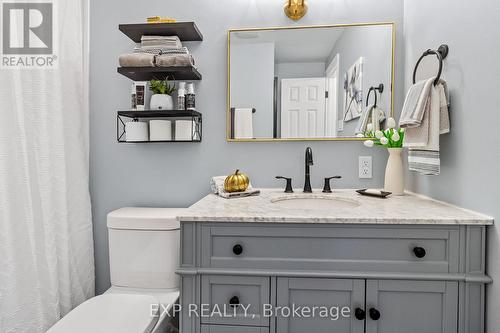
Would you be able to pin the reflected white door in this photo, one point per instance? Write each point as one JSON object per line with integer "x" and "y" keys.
{"x": 303, "y": 105}
{"x": 332, "y": 102}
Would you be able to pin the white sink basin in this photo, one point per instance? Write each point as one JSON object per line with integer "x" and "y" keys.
{"x": 314, "y": 202}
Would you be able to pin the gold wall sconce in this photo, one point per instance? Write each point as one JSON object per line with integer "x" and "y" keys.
{"x": 295, "y": 9}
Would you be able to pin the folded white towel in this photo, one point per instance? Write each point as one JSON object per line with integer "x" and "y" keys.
{"x": 217, "y": 186}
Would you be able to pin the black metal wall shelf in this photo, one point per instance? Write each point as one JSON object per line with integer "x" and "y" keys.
{"x": 160, "y": 114}
{"x": 187, "y": 31}
{"x": 160, "y": 73}
{"x": 134, "y": 115}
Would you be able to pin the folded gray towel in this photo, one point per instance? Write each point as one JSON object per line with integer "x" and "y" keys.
{"x": 137, "y": 60}
{"x": 174, "y": 60}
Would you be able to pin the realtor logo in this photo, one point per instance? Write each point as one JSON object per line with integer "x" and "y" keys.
{"x": 28, "y": 34}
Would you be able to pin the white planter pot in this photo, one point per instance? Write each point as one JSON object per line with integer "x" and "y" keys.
{"x": 394, "y": 172}
{"x": 161, "y": 102}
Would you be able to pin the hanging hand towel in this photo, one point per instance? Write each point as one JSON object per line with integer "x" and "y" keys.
{"x": 423, "y": 141}
{"x": 415, "y": 104}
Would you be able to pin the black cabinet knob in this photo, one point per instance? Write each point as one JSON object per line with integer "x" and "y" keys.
{"x": 237, "y": 249}
{"x": 419, "y": 252}
{"x": 374, "y": 314}
{"x": 234, "y": 301}
{"x": 359, "y": 314}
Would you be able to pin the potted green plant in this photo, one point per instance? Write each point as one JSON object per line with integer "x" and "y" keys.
{"x": 162, "y": 95}
{"x": 391, "y": 138}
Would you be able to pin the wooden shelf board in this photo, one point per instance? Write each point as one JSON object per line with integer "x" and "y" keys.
{"x": 187, "y": 31}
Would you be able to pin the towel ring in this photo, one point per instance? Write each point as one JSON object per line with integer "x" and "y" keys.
{"x": 441, "y": 53}
{"x": 380, "y": 89}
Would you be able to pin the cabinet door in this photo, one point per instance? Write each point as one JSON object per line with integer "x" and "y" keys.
{"x": 319, "y": 295}
{"x": 411, "y": 306}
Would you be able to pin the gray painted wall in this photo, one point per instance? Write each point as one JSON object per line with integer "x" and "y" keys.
{"x": 177, "y": 175}
{"x": 469, "y": 155}
{"x": 252, "y": 83}
{"x": 374, "y": 44}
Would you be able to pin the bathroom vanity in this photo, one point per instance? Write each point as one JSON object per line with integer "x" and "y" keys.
{"x": 404, "y": 264}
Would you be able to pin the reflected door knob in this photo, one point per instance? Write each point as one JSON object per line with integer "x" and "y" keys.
{"x": 374, "y": 314}
{"x": 237, "y": 249}
{"x": 360, "y": 314}
{"x": 419, "y": 252}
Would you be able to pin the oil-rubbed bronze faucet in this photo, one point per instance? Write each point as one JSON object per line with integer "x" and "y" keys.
{"x": 309, "y": 162}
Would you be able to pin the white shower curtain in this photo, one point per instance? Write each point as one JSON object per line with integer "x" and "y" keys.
{"x": 46, "y": 245}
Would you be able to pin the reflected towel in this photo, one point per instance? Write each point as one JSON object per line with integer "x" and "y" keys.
{"x": 137, "y": 60}
{"x": 157, "y": 50}
{"x": 373, "y": 115}
{"x": 363, "y": 120}
{"x": 243, "y": 123}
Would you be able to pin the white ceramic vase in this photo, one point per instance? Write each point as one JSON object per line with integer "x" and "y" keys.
{"x": 394, "y": 172}
{"x": 161, "y": 102}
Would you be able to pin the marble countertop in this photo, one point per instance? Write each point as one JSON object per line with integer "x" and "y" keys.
{"x": 407, "y": 209}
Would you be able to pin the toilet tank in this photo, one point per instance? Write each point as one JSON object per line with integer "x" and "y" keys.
{"x": 144, "y": 246}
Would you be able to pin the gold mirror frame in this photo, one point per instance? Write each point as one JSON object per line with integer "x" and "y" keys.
{"x": 228, "y": 111}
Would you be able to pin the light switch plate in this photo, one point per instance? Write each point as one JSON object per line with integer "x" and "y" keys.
{"x": 365, "y": 167}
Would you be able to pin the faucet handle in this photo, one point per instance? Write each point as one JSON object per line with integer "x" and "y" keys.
{"x": 288, "y": 188}
{"x": 326, "y": 188}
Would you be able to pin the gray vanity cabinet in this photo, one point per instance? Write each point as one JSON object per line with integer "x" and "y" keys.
{"x": 402, "y": 278}
{"x": 315, "y": 293}
{"x": 412, "y": 306}
{"x": 391, "y": 306}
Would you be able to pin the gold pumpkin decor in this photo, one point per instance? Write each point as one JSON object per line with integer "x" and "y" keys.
{"x": 237, "y": 182}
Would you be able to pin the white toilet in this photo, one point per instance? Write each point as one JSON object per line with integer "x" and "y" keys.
{"x": 143, "y": 256}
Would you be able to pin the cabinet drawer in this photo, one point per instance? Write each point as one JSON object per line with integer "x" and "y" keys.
{"x": 331, "y": 248}
{"x": 223, "y": 292}
{"x": 232, "y": 329}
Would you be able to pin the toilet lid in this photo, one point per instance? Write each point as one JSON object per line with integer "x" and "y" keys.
{"x": 111, "y": 313}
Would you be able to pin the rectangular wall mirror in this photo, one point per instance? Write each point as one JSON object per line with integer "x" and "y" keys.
{"x": 309, "y": 83}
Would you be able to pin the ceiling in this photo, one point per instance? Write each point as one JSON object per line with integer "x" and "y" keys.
{"x": 294, "y": 45}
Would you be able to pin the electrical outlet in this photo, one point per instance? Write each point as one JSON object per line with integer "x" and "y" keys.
{"x": 365, "y": 167}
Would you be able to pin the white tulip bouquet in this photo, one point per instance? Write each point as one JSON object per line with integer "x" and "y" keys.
{"x": 392, "y": 137}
